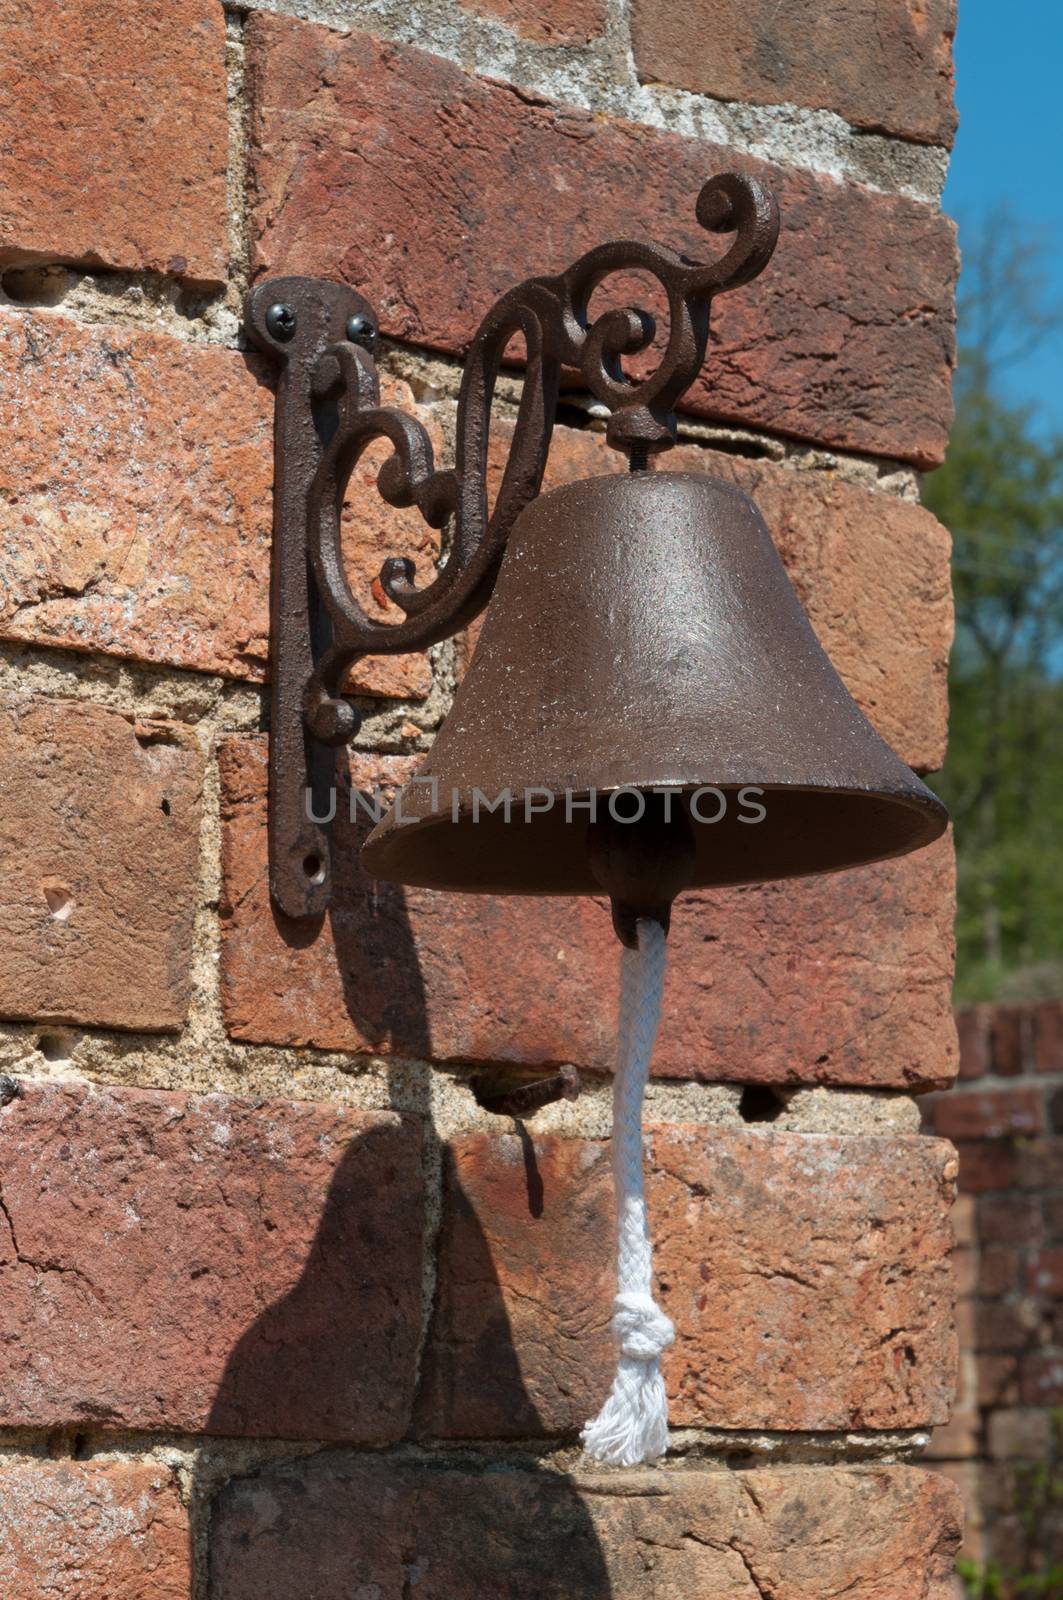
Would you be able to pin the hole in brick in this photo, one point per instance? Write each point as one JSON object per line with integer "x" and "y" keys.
{"x": 37, "y": 286}
{"x": 759, "y": 1103}
{"x": 165, "y": 808}
{"x": 314, "y": 868}
{"x": 59, "y": 899}
{"x": 79, "y": 1447}
{"x": 55, "y": 1046}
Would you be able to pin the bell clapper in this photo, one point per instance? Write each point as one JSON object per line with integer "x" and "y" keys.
{"x": 642, "y": 865}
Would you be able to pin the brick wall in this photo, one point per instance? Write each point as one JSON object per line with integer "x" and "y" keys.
{"x": 1004, "y": 1444}
{"x": 283, "y": 1313}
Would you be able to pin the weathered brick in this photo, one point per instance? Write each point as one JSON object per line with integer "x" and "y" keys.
{"x": 998, "y": 1270}
{"x": 1020, "y": 1434}
{"x": 136, "y": 502}
{"x": 985, "y": 1164}
{"x": 887, "y": 69}
{"x": 998, "y": 1380}
{"x": 339, "y": 1527}
{"x": 840, "y": 979}
{"x": 100, "y": 1531}
{"x": 1004, "y": 1325}
{"x": 211, "y": 1264}
{"x": 1044, "y": 1274}
{"x": 1048, "y": 1036}
{"x": 1053, "y": 1210}
{"x": 1012, "y": 1219}
{"x": 1041, "y": 1379}
{"x": 116, "y": 140}
{"x": 99, "y": 857}
{"x": 989, "y": 1113}
{"x": 966, "y": 1475}
{"x": 1040, "y": 1164}
{"x": 1007, "y": 1032}
{"x": 871, "y": 571}
{"x": 847, "y": 338}
{"x": 958, "y": 1438}
{"x": 776, "y": 1258}
{"x": 973, "y": 1031}
{"x": 548, "y": 21}
{"x": 964, "y": 1220}
{"x": 966, "y": 1264}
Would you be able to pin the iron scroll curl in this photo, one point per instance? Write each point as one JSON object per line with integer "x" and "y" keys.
{"x": 320, "y": 335}
{"x": 552, "y": 315}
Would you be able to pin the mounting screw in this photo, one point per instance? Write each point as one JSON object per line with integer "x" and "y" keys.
{"x": 280, "y": 322}
{"x": 360, "y": 330}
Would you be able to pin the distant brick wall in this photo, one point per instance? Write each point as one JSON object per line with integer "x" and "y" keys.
{"x": 1004, "y": 1445}
{"x": 274, "y": 1293}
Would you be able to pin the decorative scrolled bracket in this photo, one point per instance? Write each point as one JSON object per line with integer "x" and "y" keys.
{"x": 321, "y": 336}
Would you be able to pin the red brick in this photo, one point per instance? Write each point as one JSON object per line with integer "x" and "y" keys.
{"x": 777, "y": 1261}
{"x": 1004, "y": 1325}
{"x": 972, "y": 1026}
{"x": 847, "y": 339}
{"x": 958, "y": 1438}
{"x": 1040, "y": 1164}
{"x": 841, "y": 979}
{"x": 1044, "y": 1274}
{"x": 985, "y": 1164}
{"x": 1053, "y": 1209}
{"x": 1041, "y": 1379}
{"x": 107, "y": 1531}
{"x": 556, "y": 22}
{"x": 964, "y": 1220}
{"x": 335, "y": 1528}
{"x": 998, "y": 1270}
{"x": 989, "y": 1113}
{"x": 997, "y": 1380}
{"x": 872, "y": 572}
{"x": 136, "y": 502}
{"x": 208, "y": 1264}
{"x": 99, "y": 858}
{"x": 1007, "y": 1032}
{"x": 965, "y": 1476}
{"x": 116, "y": 140}
{"x": 966, "y": 1267}
{"x": 1020, "y": 1433}
{"x": 1012, "y": 1219}
{"x": 1048, "y": 1036}
{"x": 886, "y": 69}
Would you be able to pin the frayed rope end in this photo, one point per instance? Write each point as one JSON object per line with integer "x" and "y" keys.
{"x": 632, "y": 1426}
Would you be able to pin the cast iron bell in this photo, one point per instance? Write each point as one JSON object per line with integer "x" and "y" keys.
{"x": 644, "y": 636}
{"x": 643, "y": 655}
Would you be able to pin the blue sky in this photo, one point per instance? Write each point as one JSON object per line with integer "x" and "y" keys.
{"x": 1009, "y": 89}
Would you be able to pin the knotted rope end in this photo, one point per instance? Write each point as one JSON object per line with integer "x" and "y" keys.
{"x": 632, "y": 1426}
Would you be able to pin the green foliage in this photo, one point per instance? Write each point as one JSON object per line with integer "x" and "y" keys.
{"x": 1000, "y": 493}
{"x": 1038, "y": 1500}
{"x": 983, "y": 1582}
{"x": 989, "y": 1581}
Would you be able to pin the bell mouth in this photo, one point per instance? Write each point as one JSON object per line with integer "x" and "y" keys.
{"x": 802, "y": 832}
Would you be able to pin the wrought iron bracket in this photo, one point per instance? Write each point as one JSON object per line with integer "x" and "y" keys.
{"x": 321, "y": 337}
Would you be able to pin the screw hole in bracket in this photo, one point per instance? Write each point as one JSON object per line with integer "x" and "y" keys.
{"x": 314, "y": 868}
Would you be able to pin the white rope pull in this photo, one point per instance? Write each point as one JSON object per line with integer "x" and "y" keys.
{"x": 632, "y": 1426}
